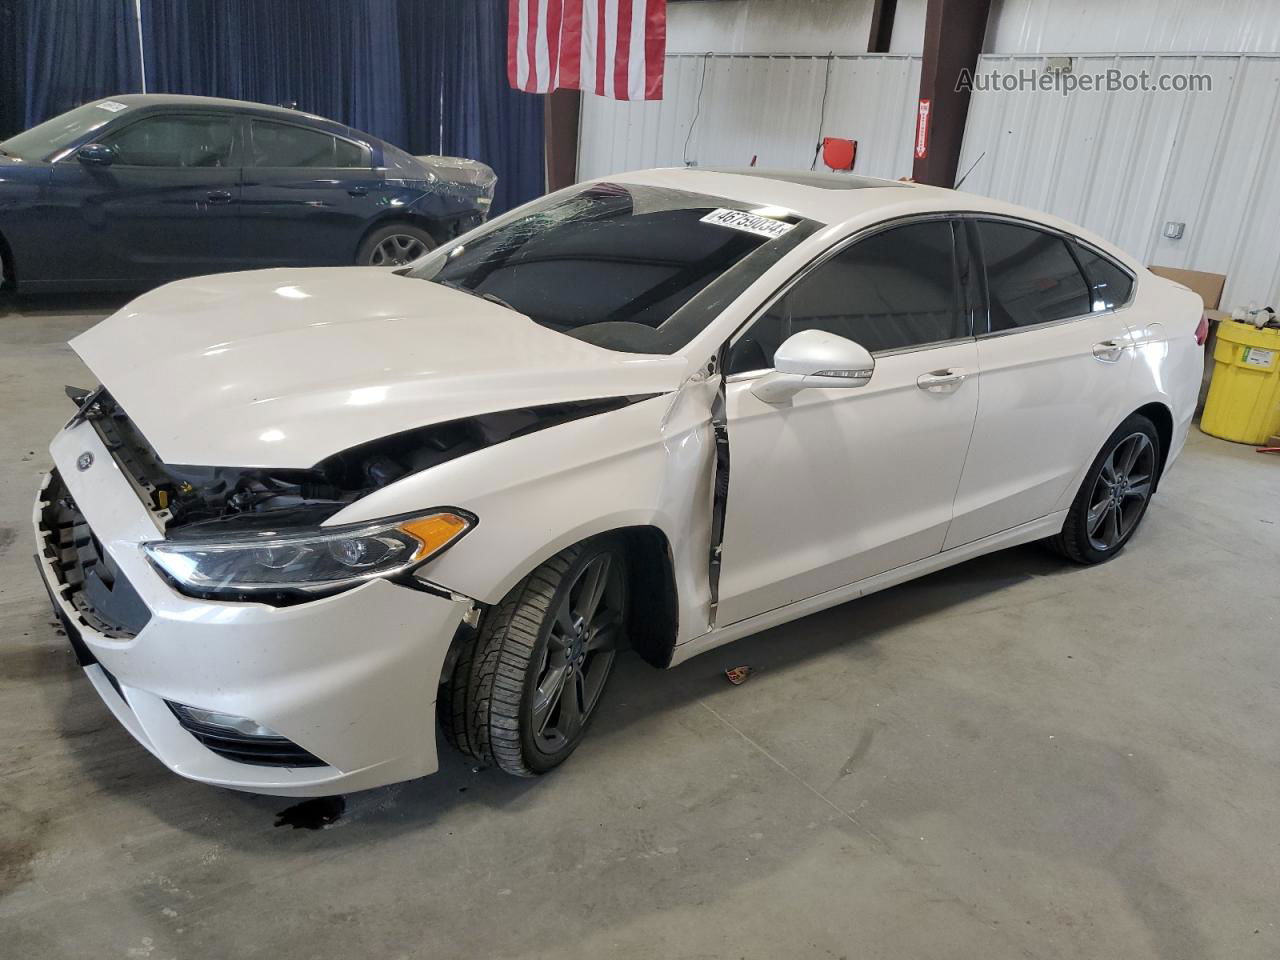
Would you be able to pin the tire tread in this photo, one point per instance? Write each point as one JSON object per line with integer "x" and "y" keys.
{"x": 487, "y": 686}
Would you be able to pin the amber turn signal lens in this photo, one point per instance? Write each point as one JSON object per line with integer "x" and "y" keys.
{"x": 434, "y": 532}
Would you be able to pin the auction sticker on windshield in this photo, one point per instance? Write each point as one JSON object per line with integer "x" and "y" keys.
{"x": 113, "y": 106}
{"x": 749, "y": 222}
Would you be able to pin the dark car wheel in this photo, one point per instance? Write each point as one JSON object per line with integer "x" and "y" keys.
{"x": 1114, "y": 496}
{"x": 394, "y": 245}
{"x": 523, "y": 694}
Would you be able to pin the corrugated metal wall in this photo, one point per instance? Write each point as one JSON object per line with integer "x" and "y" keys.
{"x": 1122, "y": 164}
{"x": 759, "y": 106}
{"x": 1134, "y": 26}
{"x": 815, "y": 27}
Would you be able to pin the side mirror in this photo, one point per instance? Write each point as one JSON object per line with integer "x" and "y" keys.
{"x": 96, "y": 153}
{"x": 814, "y": 358}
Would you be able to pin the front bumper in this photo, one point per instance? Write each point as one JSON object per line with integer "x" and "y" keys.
{"x": 351, "y": 679}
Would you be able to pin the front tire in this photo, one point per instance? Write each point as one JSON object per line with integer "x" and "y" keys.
{"x": 523, "y": 694}
{"x": 1114, "y": 496}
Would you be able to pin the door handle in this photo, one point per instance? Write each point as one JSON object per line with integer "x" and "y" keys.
{"x": 1108, "y": 351}
{"x": 218, "y": 196}
{"x": 358, "y": 191}
{"x": 941, "y": 381}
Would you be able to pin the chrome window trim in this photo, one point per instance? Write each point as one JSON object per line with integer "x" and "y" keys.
{"x": 995, "y": 334}
{"x": 821, "y": 258}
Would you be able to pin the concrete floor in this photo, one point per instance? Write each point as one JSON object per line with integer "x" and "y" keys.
{"x": 1014, "y": 758}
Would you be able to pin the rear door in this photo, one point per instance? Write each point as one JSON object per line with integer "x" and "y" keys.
{"x": 165, "y": 207}
{"x": 1055, "y": 362}
{"x": 308, "y": 195}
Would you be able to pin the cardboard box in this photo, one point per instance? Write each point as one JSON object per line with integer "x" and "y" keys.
{"x": 1208, "y": 285}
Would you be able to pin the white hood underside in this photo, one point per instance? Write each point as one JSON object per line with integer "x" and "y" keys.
{"x": 282, "y": 368}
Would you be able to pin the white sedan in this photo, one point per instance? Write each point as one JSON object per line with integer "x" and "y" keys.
{"x": 311, "y": 515}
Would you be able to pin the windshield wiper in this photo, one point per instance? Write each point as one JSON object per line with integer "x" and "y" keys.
{"x": 491, "y": 297}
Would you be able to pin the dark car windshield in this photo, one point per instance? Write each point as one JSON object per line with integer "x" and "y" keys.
{"x": 633, "y": 268}
{"x": 47, "y": 138}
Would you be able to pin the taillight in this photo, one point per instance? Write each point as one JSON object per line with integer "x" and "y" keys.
{"x": 1202, "y": 331}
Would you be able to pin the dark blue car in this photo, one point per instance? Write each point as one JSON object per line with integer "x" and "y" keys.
{"x": 136, "y": 190}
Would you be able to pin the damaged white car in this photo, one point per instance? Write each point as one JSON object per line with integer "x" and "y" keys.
{"x": 311, "y": 515}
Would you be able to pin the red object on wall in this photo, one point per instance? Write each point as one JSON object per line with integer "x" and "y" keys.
{"x": 922, "y": 129}
{"x": 838, "y": 153}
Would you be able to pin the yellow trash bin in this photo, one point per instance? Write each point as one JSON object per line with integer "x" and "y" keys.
{"x": 1244, "y": 394}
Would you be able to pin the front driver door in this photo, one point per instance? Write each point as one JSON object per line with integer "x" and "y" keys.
{"x": 841, "y": 484}
{"x": 165, "y": 207}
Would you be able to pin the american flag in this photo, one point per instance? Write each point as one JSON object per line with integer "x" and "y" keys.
{"x": 613, "y": 48}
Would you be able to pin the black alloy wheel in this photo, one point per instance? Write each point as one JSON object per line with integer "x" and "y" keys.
{"x": 1121, "y": 492}
{"x": 1115, "y": 494}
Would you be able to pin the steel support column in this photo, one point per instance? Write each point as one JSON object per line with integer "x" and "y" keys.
{"x": 953, "y": 35}
{"x": 560, "y": 121}
{"x": 881, "y": 26}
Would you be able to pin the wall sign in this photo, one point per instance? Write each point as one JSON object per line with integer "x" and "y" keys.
{"x": 922, "y": 129}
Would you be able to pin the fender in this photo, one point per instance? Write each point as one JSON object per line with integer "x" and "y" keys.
{"x": 649, "y": 464}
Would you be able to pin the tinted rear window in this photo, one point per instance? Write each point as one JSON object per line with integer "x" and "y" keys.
{"x": 613, "y": 264}
{"x": 286, "y": 145}
{"x": 1031, "y": 276}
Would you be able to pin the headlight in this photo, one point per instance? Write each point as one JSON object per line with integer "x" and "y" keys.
{"x": 318, "y": 560}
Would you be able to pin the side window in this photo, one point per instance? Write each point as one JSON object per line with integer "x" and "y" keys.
{"x": 1109, "y": 286}
{"x": 284, "y": 145}
{"x": 348, "y": 154}
{"x": 1031, "y": 276}
{"x": 174, "y": 142}
{"x": 892, "y": 290}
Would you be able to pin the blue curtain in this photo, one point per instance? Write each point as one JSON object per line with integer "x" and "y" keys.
{"x": 60, "y": 53}
{"x": 337, "y": 58}
{"x": 457, "y": 101}
{"x": 427, "y": 75}
{"x": 12, "y": 61}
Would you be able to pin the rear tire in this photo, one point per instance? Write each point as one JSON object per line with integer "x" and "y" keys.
{"x": 394, "y": 245}
{"x": 1114, "y": 496}
{"x": 527, "y": 684}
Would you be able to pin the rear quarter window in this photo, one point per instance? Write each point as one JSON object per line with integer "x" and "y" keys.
{"x": 1109, "y": 284}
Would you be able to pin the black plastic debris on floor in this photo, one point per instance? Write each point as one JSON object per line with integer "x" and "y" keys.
{"x": 314, "y": 814}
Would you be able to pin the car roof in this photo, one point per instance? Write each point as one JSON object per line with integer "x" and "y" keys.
{"x": 140, "y": 101}
{"x": 841, "y": 199}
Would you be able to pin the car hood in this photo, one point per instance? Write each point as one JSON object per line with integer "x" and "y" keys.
{"x": 282, "y": 368}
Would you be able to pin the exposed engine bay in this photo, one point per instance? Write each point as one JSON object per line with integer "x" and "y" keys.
{"x": 191, "y": 500}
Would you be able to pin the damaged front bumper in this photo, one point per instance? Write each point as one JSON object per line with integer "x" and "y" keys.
{"x": 346, "y": 683}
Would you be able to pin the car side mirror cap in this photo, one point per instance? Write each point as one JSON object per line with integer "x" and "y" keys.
{"x": 814, "y": 358}
{"x": 96, "y": 153}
